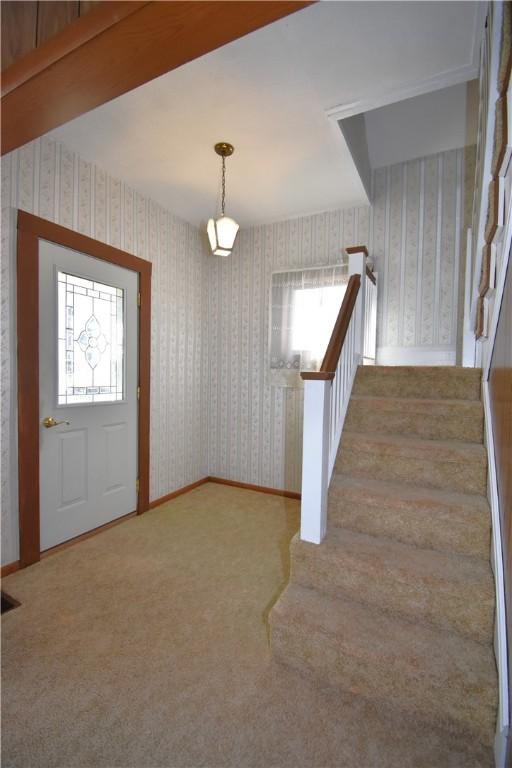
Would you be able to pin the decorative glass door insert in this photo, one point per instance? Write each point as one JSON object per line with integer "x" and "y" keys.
{"x": 90, "y": 357}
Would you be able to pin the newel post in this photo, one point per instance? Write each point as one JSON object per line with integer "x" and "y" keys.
{"x": 315, "y": 460}
{"x": 357, "y": 266}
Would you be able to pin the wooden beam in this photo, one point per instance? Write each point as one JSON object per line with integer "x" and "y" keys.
{"x": 82, "y": 68}
{"x": 76, "y": 34}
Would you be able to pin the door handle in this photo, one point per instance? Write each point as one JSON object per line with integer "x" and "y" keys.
{"x": 49, "y": 421}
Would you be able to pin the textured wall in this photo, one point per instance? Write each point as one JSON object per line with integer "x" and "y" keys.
{"x": 414, "y": 232}
{"x": 210, "y": 315}
{"x": 255, "y": 430}
{"x": 416, "y": 238}
{"x": 46, "y": 179}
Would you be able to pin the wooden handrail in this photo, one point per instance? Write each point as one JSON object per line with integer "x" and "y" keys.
{"x": 370, "y": 275}
{"x": 332, "y": 354}
{"x": 357, "y": 249}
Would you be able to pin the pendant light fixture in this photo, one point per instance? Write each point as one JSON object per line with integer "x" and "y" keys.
{"x": 222, "y": 232}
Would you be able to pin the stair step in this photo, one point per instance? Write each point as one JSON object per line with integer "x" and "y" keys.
{"x": 446, "y": 465}
{"x": 432, "y": 419}
{"x": 420, "y": 585}
{"x": 425, "y": 517}
{"x": 448, "y": 382}
{"x": 446, "y": 679}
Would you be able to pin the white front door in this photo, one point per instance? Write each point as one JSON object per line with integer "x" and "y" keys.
{"x": 88, "y": 362}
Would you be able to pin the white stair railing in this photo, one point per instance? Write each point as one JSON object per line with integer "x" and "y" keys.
{"x": 326, "y": 397}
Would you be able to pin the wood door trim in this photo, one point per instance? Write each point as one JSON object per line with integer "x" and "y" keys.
{"x": 31, "y": 229}
{"x": 153, "y": 39}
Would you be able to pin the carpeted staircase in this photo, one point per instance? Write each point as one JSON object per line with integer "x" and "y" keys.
{"x": 397, "y": 603}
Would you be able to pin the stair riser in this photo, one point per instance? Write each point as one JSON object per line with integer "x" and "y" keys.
{"x": 430, "y": 426}
{"x": 446, "y": 529}
{"x": 428, "y": 383}
{"x": 454, "y": 702}
{"x": 442, "y": 604}
{"x": 463, "y": 475}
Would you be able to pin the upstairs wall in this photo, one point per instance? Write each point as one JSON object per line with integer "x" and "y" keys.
{"x": 421, "y": 210}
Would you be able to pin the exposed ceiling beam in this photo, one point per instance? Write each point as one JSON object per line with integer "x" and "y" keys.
{"x": 115, "y": 48}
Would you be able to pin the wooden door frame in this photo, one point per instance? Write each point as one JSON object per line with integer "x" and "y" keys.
{"x": 31, "y": 229}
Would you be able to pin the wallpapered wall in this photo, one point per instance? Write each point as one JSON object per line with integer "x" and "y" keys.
{"x": 46, "y": 179}
{"x": 212, "y": 408}
{"x": 417, "y": 240}
{"x": 255, "y": 430}
{"x": 413, "y": 232}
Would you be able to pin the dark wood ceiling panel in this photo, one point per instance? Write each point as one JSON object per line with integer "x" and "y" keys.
{"x": 19, "y": 24}
{"x": 87, "y": 5}
{"x": 53, "y": 17}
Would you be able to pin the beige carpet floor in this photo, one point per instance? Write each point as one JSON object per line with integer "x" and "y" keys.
{"x": 146, "y": 646}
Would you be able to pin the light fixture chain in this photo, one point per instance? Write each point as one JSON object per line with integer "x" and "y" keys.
{"x": 223, "y": 183}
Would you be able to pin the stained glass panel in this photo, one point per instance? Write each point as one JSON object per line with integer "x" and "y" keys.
{"x": 90, "y": 341}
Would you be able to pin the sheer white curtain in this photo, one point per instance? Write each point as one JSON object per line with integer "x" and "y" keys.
{"x": 304, "y": 307}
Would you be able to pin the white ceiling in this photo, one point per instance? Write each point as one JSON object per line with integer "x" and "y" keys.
{"x": 269, "y": 94}
{"x": 424, "y": 125}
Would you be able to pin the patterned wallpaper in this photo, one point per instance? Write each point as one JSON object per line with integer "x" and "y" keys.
{"x": 210, "y": 315}
{"x": 255, "y": 430}
{"x": 46, "y": 179}
{"x": 414, "y": 234}
{"x": 417, "y": 241}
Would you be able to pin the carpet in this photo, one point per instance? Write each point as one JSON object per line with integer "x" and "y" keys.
{"x": 146, "y": 646}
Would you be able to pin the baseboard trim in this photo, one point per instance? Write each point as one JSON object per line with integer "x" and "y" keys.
{"x": 178, "y": 492}
{"x": 224, "y": 481}
{"x": 16, "y": 566}
{"x": 251, "y": 487}
{"x": 10, "y": 568}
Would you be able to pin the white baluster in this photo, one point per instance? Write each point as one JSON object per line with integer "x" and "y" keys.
{"x": 315, "y": 460}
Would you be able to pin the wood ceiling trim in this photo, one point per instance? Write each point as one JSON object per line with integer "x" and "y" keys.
{"x": 75, "y": 34}
{"x": 99, "y": 57}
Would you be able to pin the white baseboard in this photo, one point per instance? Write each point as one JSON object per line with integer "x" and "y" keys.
{"x": 416, "y": 356}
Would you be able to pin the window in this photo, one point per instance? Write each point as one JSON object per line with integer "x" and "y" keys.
{"x": 304, "y": 307}
{"x": 90, "y": 341}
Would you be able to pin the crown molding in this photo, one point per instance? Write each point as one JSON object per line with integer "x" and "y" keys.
{"x": 418, "y": 88}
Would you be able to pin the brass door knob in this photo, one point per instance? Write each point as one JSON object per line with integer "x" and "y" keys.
{"x": 49, "y": 421}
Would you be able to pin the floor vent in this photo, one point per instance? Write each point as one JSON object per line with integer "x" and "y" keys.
{"x": 8, "y": 603}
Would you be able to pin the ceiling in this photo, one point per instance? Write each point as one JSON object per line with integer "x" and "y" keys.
{"x": 423, "y": 125}
{"x": 277, "y": 95}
